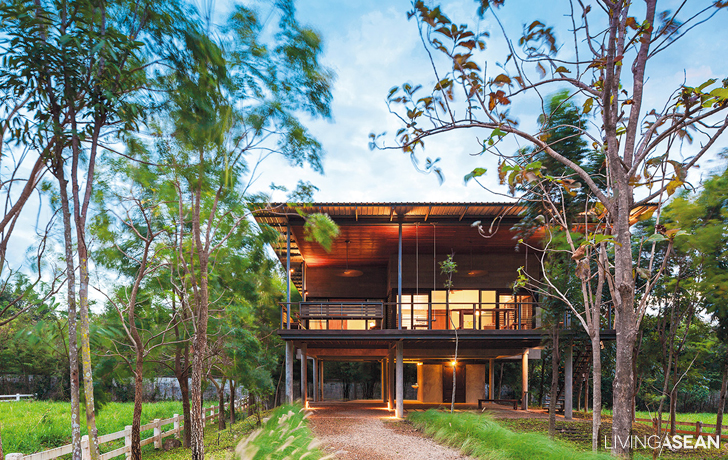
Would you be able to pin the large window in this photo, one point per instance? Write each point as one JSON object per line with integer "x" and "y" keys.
{"x": 468, "y": 309}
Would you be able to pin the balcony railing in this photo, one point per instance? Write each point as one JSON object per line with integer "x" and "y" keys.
{"x": 424, "y": 316}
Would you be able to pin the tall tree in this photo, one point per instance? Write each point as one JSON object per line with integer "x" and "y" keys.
{"x": 607, "y": 69}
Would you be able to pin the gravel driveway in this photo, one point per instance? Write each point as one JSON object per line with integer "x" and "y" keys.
{"x": 367, "y": 431}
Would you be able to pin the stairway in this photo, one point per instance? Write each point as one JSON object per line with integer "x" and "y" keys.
{"x": 581, "y": 368}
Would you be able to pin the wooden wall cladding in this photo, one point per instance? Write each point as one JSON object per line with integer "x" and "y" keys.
{"x": 493, "y": 271}
{"x": 324, "y": 282}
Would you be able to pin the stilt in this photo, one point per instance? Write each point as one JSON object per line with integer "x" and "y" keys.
{"x": 568, "y": 384}
{"x": 383, "y": 384}
{"x": 304, "y": 377}
{"x": 390, "y": 380}
{"x": 399, "y": 413}
{"x": 524, "y": 380}
{"x": 315, "y": 380}
{"x": 289, "y": 371}
{"x": 491, "y": 379}
{"x": 321, "y": 379}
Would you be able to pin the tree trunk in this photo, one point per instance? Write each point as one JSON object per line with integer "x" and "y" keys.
{"x": 721, "y": 402}
{"x": 555, "y": 358}
{"x": 232, "y": 402}
{"x": 184, "y": 388}
{"x": 597, "y": 393}
{"x": 197, "y": 427}
{"x": 136, "y": 422}
{"x": 623, "y": 386}
{"x": 221, "y": 406}
{"x": 74, "y": 389}
{"x": 540, "y": 385}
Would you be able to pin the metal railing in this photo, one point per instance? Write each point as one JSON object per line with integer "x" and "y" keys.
{"x": 424, "y": 315}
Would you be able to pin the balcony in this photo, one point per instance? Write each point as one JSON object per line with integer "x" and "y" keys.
{"x": 516, "y": 314}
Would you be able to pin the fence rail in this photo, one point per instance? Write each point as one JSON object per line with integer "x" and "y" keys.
{"x": 177, "y": 422}
{"x": 15, "y": 397}
{"x": 696, "y": 431}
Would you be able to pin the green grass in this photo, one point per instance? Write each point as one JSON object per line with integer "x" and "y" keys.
{"x": 481, "y": 437}
{"x": 219, "y": 444}
{"x": 284, "y": 435}
{"x": 705, "y": 417}
{"x": 34, "y": 426}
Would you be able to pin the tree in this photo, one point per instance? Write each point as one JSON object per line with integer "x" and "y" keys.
{"x": 607, "y": 71}
{"x": 224, "y": 107}
{"x": 705, "y": 216}
{"x": 81, "y": 63}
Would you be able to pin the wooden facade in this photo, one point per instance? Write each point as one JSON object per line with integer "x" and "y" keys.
{"x": 379, "y": 294}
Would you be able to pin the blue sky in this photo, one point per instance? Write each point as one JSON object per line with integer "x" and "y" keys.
{"x": 372, "y": 46}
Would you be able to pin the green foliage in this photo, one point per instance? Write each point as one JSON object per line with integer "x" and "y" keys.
{"x": 448, "y": 267}
{"x": 321, "y": 228}
{"x": 33, "y": 426}
{"x": 479, "y": 436}
{"x": 284, "y": 435}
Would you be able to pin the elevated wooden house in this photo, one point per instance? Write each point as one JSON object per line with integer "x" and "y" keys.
{"x": 379, "y": 295}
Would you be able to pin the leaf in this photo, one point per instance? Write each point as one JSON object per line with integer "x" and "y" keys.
{"x": 643, "y": 273}
{"x": 562, "y": 69}
{"x": 646, "y": 215}
{"x": 540, "y": 69}
{"x": 477, "y": 172}
{"x": 656, "y": 238}
{"x": 673, "y": 185}
{"x": 588, "y": 105}
{"x": 705, "y": 85}
{"x": 502, "y": 79}
{"x": 720, "y": 93}
{"x": 632, "y": 22}
{"x": 579, "y": 253}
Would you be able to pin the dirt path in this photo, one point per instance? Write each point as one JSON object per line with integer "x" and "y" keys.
{"x": 353, "y": 431}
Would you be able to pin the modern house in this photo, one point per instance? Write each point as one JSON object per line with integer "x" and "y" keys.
{"x": 379, "y": 294}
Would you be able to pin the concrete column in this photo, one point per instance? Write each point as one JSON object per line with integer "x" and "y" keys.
{"x": 399, "y": 412}
{"x": 304, "y": 377}
{"x": 384, "y": 380}
{"x": 390, "y": 381}
{"x": 289, "y": 372}
{"x": 569, "y": 383}
{"x": 321, "y": 380}
{"x": 315, "y": 380}
{"x": 524, "y": 380}
{"x": 491, "y": 379}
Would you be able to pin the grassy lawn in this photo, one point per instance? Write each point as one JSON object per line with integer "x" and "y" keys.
{"x": 219, "y": 444}
{"x": 705, "y": 417}
{"x": 34, "y": 426}
{"x": 479, "y": 436}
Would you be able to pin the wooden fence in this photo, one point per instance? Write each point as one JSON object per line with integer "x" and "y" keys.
{"x": 697, "y": 427}
{"x": 176, "y": 422}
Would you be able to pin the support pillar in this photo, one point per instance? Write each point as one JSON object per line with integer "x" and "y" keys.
{"x": 569, "y": 383}
{"x": 524, "y": 380}
{"x": 315, "y": 380}
{"x": 399, "y": 412}
{"x": 390, "y": 381}
{"x": 289, "y": 371}
{"x": 491, "y": 379}
{"x": 304, "y": 377}
{"x": 383, "y": 385}
{"x": 321, "y": 380}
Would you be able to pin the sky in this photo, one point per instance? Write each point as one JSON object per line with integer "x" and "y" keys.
{"x": 371, "y": 46}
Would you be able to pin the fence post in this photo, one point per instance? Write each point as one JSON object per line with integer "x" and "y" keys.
{"x": 14, "y": 457}
{"x": 157, "y": 433}
{"x": 176, "y": 426}
{"x": 127, "y": 440}
{"x": 17, "y": 396}
{"x": 85, "y": 448}
{"x": 698, "y": 428}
